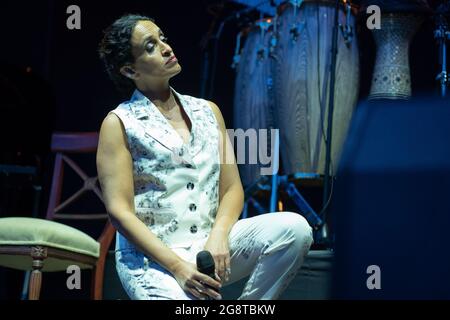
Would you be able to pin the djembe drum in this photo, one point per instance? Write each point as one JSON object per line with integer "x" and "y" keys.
{"x": 400, "y": 20}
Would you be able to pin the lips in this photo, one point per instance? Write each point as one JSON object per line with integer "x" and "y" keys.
{"x": 171, "y": 59}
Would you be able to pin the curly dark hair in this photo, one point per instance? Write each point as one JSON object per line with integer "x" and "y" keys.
{"x": 115, "y": 49}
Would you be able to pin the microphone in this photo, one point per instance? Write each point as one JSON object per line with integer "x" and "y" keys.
{"x": 206, "y": 265}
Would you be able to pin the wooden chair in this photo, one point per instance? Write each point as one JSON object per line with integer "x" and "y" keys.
{"x": 47, "y": 245}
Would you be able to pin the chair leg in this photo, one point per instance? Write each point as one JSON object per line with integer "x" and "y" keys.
{"x": 97, "y": 279}
{"x": 38, "y": 254}
{"x": 96, "y": 284}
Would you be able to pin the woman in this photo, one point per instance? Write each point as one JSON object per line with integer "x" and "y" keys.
{"x": 167, "y": 190}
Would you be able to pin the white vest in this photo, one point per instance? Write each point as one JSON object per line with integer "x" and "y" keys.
{"x": 176, "y": 185}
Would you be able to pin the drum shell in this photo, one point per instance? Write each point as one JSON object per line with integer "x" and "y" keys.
{"x": 301, "y": 83}
{"x": 253, "y": 100}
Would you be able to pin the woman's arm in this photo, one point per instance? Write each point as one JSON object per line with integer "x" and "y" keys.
{"x": 115, "y": 171}
{"x": 231, "y": 192}
{"x": 231, "y": 201}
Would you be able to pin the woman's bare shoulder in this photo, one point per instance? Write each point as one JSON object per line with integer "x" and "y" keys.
{"x": 112, "y": 130}
{"x": 111, "y": 122}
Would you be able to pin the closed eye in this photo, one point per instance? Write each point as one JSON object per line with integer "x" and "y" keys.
{"x": 150, "y": 45}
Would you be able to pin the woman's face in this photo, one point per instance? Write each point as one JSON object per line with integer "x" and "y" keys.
{"x": 154, "y": 58}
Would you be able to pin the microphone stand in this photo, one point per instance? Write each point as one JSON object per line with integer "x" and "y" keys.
{"x": 327, "y": 177}
{"x": 442, "y": 35}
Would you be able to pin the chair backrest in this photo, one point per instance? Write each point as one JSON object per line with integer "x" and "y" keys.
{"x": 64, "y": 144}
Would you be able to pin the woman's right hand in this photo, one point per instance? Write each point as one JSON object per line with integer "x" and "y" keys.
{"x": 195, "y": 282}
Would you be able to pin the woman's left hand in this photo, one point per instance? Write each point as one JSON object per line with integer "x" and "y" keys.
{"x": 217, "y": 245}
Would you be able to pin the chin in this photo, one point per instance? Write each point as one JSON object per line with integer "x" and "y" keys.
{"x": 176, "y": 70}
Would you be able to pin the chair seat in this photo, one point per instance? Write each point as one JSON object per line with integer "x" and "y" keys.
{"x": 21, "y": 231}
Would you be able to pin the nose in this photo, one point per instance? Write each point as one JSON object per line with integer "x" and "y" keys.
{"x": 166, "y": 49}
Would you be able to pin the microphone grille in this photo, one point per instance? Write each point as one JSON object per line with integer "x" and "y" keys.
{"x": 205, "y": 262}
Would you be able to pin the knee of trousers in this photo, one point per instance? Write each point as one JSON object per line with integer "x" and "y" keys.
{"x": 298, "y": 227}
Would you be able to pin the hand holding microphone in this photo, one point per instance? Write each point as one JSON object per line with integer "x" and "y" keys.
{"x": 197, "y": 283}
{"x": 206, "y": 265}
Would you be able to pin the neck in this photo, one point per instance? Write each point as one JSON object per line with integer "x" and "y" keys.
{"x": 163, "y": 98}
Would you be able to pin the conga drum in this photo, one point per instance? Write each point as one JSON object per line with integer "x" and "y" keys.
{"x": 400, "y": 20}
{"x": 301, "y": 83}
{"x": 252, "y": 99}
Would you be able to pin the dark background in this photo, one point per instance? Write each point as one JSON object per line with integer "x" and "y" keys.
{"x": 51, "y": 78}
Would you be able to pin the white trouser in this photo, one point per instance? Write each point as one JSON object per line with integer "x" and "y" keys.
{"x": 269, "y": 247}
